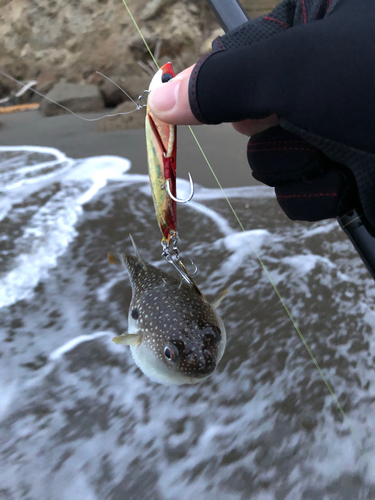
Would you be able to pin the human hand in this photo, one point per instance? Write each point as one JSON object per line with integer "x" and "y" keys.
{"x": 170, "y": 103}
{"x": 317, "y": 78}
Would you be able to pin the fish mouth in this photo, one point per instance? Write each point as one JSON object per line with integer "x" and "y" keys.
{"x": 208, "y": 371}
{"x": 210, "y": 360}
{"x": 203, "y": 365}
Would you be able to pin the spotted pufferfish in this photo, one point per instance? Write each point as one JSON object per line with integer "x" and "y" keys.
{"x": 174, "y": 334}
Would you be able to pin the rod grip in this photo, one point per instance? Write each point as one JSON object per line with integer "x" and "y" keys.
{"x": 229, "y": 13}
{"x": 362, "y": 237}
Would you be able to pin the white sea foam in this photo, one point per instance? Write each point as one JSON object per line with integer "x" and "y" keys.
{"x": 73, "y": 343}
{"x": 323, "y": 227}
{"x": 305, "y": 263}
{"x": 248, "y": 192}
{"x": 246, "y": 242}
{"x": 52, "y": 228}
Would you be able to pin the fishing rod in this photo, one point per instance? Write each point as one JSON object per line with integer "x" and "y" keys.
{"x": 230, "y": 15}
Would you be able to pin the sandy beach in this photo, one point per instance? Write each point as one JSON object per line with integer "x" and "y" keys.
{"x": 225, "y": 149}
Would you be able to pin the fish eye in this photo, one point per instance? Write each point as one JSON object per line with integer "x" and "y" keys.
{"x": 135, "y": 313}
{"x": 166, "y": 77}
{"x": 171, "y": 352}
{"x": 167, "y": 353}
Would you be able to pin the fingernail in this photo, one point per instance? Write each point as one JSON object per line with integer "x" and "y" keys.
{"x": 164, "y": 98}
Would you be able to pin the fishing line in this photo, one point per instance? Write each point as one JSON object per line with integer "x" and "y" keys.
{"x": 140, "y": 34}
{"x": 138, "y": 105}
{"x": 122, "y": 90}
{"x": 265, "y": 269}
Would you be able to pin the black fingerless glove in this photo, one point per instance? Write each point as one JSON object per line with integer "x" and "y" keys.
{"x": 312, "y": 63}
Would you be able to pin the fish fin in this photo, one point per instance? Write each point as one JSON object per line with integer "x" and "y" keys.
{"x": 128, "y": 339}
{"x": 219, "y": 298}
{"x": 140, "y": 260}
{"x": 117, "y": 260}
{"x": 113, "y": 259}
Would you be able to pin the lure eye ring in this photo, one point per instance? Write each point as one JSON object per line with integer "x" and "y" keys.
{"x": 166, "y": 77}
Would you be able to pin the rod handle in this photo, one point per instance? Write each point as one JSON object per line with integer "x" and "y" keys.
{"x": 229, "y": 13}
{"x": 361, "y": 235}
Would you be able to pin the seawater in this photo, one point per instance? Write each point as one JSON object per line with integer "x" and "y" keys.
{"x": 79, "y": 420}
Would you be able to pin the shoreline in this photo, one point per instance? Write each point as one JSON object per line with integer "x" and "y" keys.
{"x": 224, "y": 148}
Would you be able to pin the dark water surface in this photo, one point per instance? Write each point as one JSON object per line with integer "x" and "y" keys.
{"x": 78, "y": 420}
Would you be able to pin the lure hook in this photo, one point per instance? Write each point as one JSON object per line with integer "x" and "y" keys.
{"x": 178, "y": 266}
{"x": 180, "y": 262}
{"x": 177, "y": 261}
{"x": 186, "y": 200}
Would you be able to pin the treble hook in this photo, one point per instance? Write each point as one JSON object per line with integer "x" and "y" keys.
{"x": 180, "y": 271}
{"x": 180, "y": 262}
{"x": 186, "y": 200}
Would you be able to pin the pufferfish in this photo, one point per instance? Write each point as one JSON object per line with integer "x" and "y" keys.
{"x": 174, "y": 334}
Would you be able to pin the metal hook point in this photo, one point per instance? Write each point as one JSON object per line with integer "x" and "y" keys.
{"x": 180, "y": 262}
{"x": 186, "y": 200}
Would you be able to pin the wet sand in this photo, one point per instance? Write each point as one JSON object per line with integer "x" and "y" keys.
{"x": 225, "y": 149}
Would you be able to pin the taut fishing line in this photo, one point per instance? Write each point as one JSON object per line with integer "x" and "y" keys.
{"x": 138, "y": 105}
{"x": 265, "y": 269}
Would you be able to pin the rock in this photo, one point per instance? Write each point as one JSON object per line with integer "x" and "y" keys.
{"x": 132, "y": 85}
{"x": 136, "y": 85}
{"x": 46, "y": 82}
{"x": 77, "y": 98}
{"x": 5, "y": 89}
{"x": 44, "y": 86}
{"x": 112, "y": 95}
{"x": 132, "y": 120}
{"x": 153, "y": 8}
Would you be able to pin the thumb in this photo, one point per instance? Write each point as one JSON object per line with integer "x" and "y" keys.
{"x": 170, "y": 102}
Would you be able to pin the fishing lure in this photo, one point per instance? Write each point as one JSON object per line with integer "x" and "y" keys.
{"x": 161, "y": 152}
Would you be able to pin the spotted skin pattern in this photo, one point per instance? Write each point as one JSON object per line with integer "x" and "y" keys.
{"x": 181, "y": 338}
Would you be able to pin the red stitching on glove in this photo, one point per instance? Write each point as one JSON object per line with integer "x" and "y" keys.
{"x": 304, "y": 11}
{"x": 316, "y": 195}
{"x": 220, "y": 44}
{"x": 268, "y": 18}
